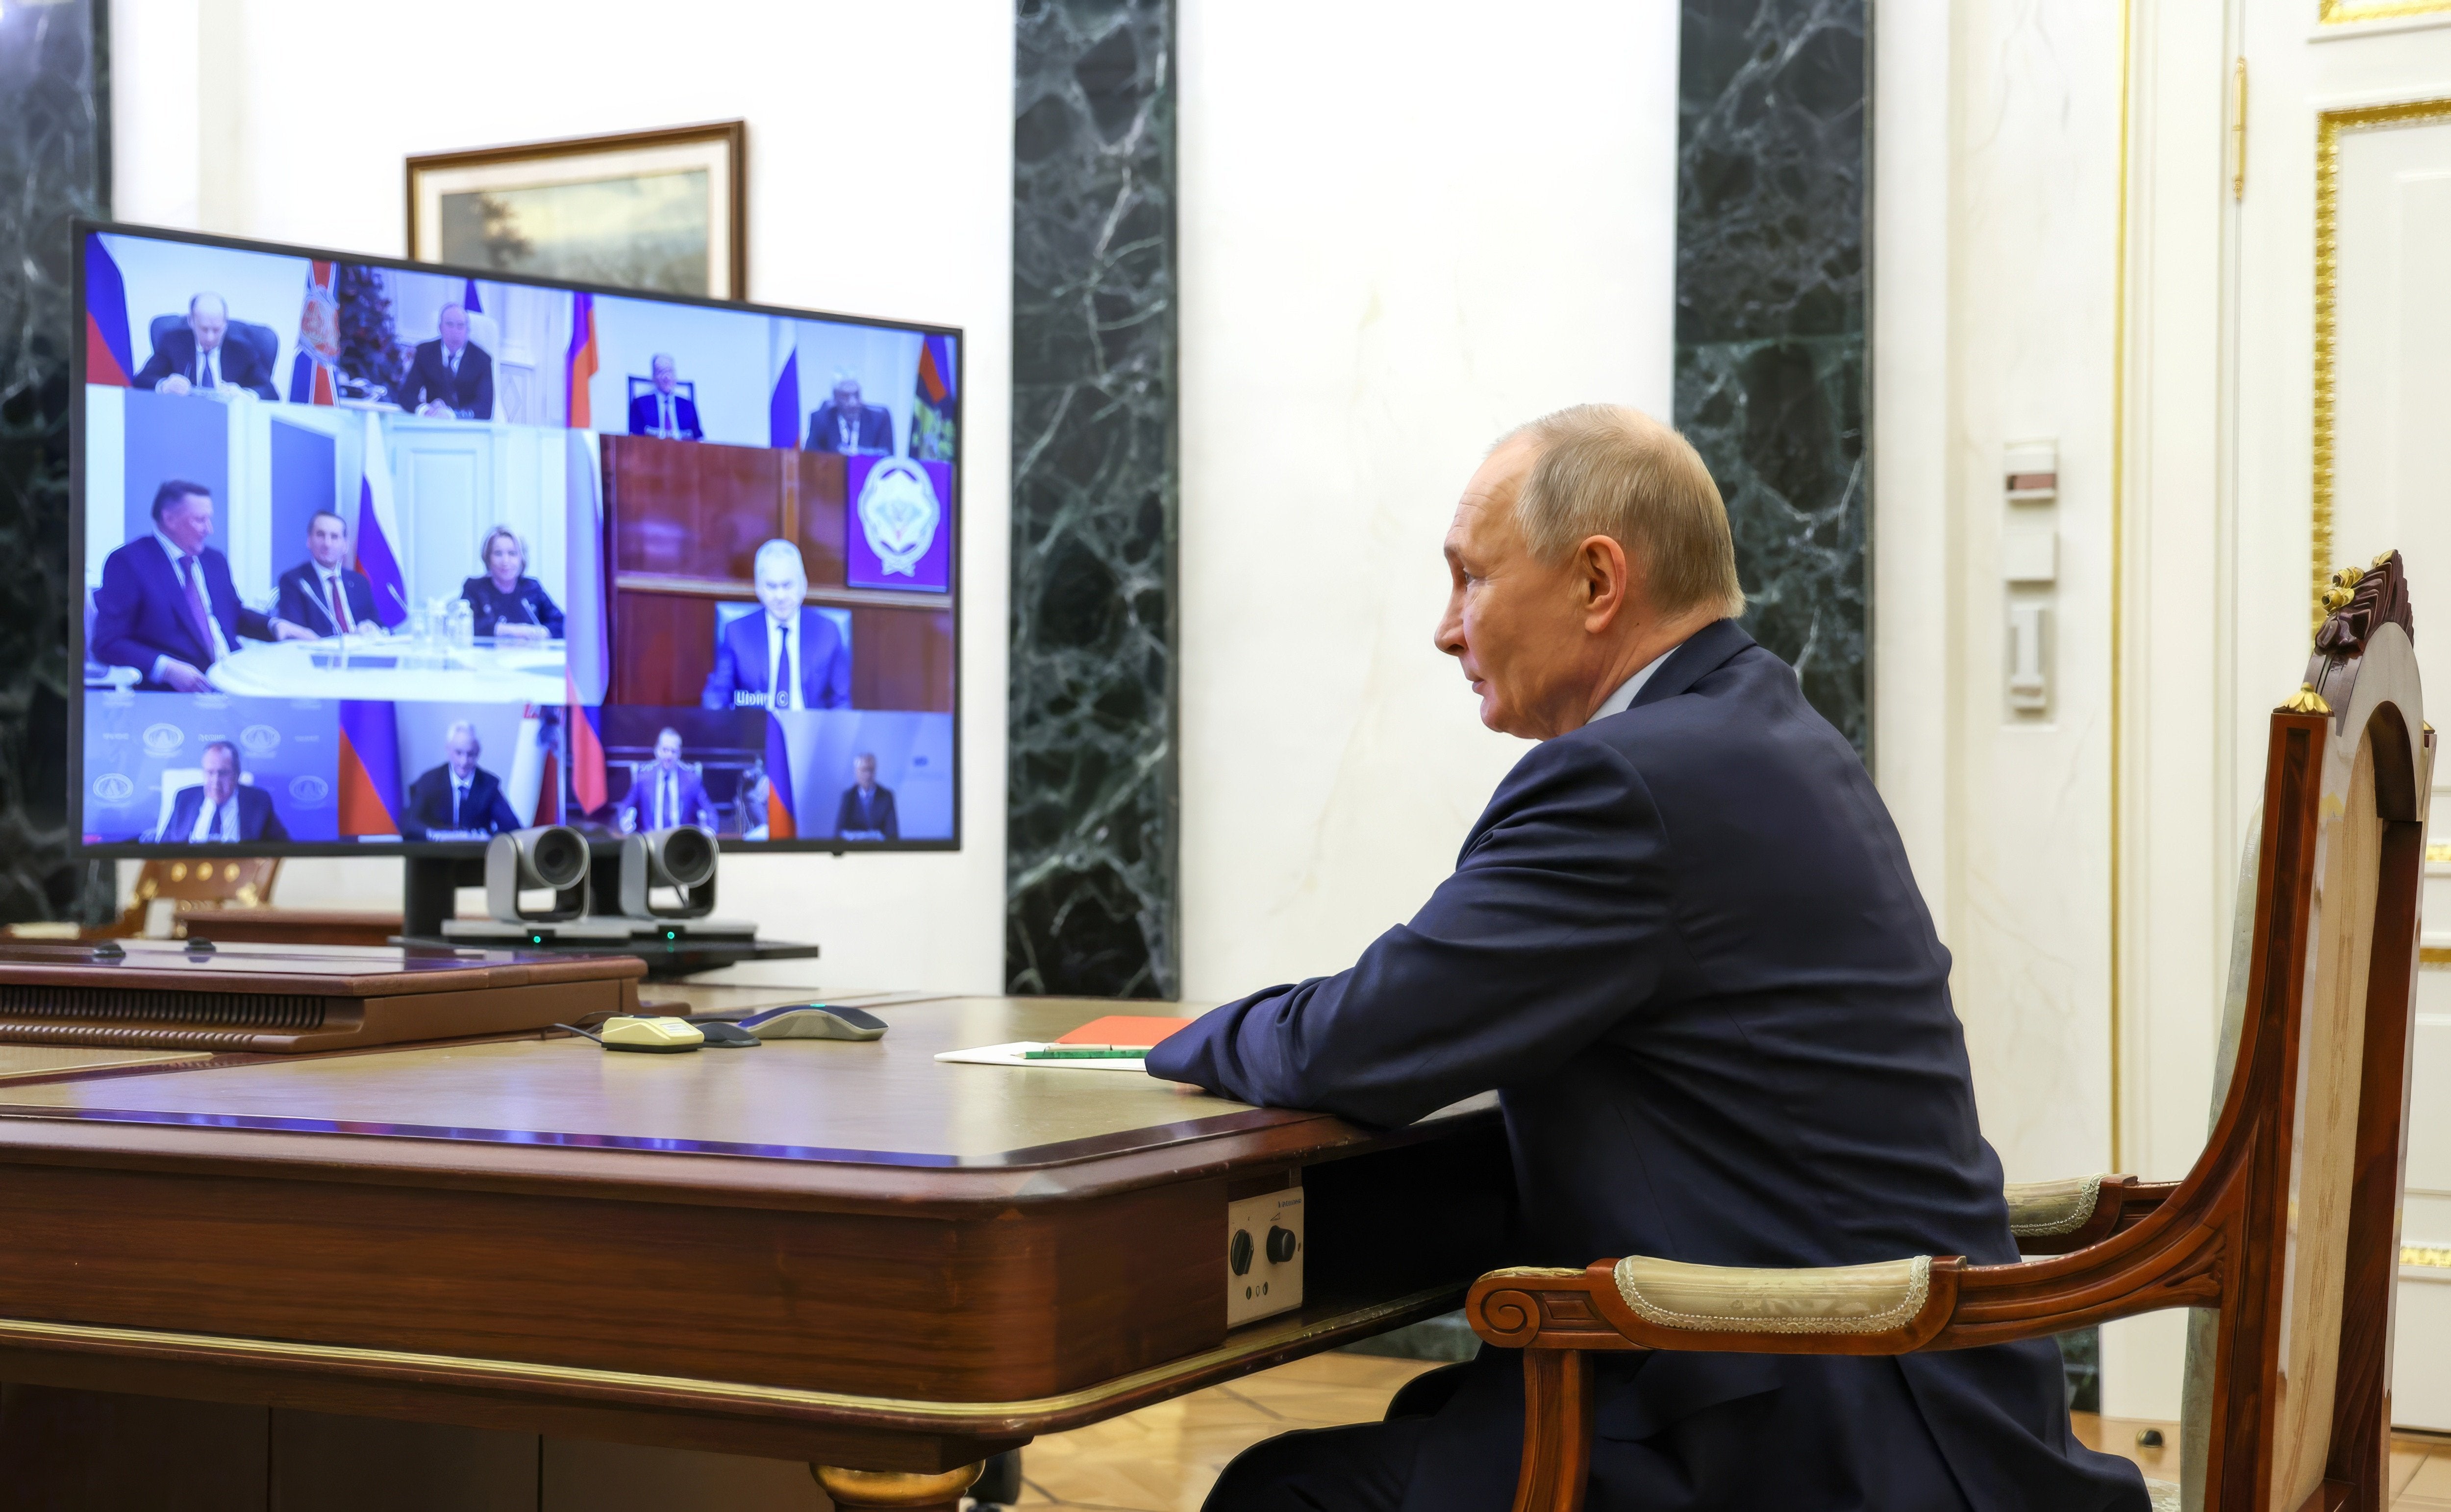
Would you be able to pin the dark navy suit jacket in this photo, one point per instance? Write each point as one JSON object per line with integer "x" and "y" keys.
{"x": 241, "y": 365}
{"x": 485, "y": 808}
{"x": 740, "y": 664}
{"x": 690, "y": 805}
{"x": 304, "y": 603}
{"x": 1683, "y": 946}
{"x": 140, "y": 612}
{"x": 256, "y": 820}
{"x": 875, "y": 428}
{"x": 470, "y": 393}
{"x": 879, "y": 816}
{"x": 643, "y": 417}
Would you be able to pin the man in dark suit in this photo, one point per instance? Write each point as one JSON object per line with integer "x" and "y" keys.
{"x": 323, "y": 593}
{"x": 1683, "y": 946}
{"x": 661, "y": 411}
{"x": 168, "y": 606}
{"x": 222, "y": 810}
{"x": 457, "y": 800}
{"x": 666, "y": 793}
{"x": 791, "y": 656}
{"x": 845, "y": 425}
{"x": 867, "y": 811}
{"x": 199, "y": 357}
{"x": 450, "y": 375}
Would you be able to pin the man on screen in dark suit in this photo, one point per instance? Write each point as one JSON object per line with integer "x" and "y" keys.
{"x": 450, "y": 375}
{"x": 791, "y": 656}
{"x": 1684, "y": 947}
{"x": 666, "y": 793}
{"x": 222, "y": 810}
{"x": 198, "y": 357}
{"x": 844, "y": 425}
{"x": 168, "y": 606}
{"x": 325, "y": 592}
{"x": 867, "y": 811}
{"x": 661, "y": 411}
{"x": 459, "y": 799}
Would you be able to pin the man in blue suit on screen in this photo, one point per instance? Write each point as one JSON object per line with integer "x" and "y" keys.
{"x": 844, "y": 425}
{"x": 168, "y": 605}
{"x": 220, "y": 810}
{"x": 325, "y": 592}
{"x": 791, "y": 656}
{"x": 666, "y": 793}
{"x": 198, "y": 357}
{"x": 1683, "y": 946}
{"x": 661, "y": 411}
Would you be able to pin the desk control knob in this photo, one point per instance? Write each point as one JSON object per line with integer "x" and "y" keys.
{"x": 1281, "y": 1244}
{"x": 1238, "y": 1254}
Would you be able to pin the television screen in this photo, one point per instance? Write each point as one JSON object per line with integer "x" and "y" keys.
{"x": 381, "y": 554}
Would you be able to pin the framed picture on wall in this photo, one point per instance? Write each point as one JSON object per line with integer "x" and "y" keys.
{"x": 663, "y": 210}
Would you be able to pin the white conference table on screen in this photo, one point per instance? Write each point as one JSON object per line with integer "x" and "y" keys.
{"x": 396, "y": 670}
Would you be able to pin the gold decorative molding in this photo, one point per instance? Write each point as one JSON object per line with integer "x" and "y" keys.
{"x": 2437, "y": 853}
{"x": 2349, "y": 12}
{"x": 2434, "y": 955}
{"x": 2433, "y": 1257}
{"x": 2118, "y": 566}
{"x": 2329, "y": 126}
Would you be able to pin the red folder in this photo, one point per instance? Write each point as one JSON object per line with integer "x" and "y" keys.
{"x": 1123, "y": 1029}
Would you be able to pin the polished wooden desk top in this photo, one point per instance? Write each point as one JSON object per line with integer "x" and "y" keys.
{"x": 843, "y": 1251}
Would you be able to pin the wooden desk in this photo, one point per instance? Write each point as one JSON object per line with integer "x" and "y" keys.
{"x": 848, "y": 1255}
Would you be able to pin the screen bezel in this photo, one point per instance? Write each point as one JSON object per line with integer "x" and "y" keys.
{"x": 142, "y": 850}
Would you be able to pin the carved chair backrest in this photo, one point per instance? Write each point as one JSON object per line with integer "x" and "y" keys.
{"x": 199, "y": 885}
{"x": 2286, "y": 1387}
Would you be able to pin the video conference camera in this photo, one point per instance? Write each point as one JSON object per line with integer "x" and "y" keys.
{"x": 683, "y": 858}
{"x": 549, "y": 855}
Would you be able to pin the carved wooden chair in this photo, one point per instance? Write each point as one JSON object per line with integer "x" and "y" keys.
{"x": 2285, "y": 1232}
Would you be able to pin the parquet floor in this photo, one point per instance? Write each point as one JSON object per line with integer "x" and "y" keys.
{"x": 1163, "y": 1459}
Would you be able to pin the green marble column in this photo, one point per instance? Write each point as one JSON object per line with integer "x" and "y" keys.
{"x": 54, "y": 157}
{"x": 1091, "y": 826}
{"x": 1770, "y": 320}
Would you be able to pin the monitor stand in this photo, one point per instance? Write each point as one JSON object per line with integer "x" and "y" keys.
{"x": 670, "y": 946}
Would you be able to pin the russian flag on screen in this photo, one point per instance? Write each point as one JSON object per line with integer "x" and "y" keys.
{"x": 369, "y": 768}
{"x": 588, "y": 787}
{"x": 582, "y": 370}
{"x": 783, "y": 360}
{"x": 378, "y": 528}
{"x": 780, "y": 824}
{"x": 107, "y": 356}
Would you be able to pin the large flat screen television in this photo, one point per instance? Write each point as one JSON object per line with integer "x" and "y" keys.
{"x": 373, "y": 553}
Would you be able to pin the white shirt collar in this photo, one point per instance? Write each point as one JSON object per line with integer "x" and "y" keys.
{"x": 1622, "y": 698}
{"x": 175, "y": 550}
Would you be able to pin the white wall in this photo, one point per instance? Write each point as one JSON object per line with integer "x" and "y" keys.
{"x": 1383, "y": 267}
{"x": 246, "y": 123}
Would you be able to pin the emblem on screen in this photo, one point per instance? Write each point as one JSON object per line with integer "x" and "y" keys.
{"x": 114, "y": 788}
{"x": 308, "y": 790}
{"x": 258, "y": 739}
{"x": 898, "y": 514}
{"x": 163, "y": 739}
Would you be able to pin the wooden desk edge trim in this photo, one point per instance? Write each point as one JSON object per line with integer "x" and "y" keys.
{"x": 1258, "y": 1346}
{"x": 619, "y": 1175}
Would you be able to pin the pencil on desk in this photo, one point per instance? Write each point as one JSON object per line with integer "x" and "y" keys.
{"x": 1086, "y": 1053}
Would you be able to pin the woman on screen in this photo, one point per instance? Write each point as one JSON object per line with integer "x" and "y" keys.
{"x": 508, "y": 604}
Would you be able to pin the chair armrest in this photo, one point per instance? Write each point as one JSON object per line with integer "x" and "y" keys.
{"x": 2055, "y": 1217}
{"x": 1641, "y": 1302}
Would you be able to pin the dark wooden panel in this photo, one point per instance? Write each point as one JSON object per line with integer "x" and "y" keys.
{"x": 663, "y": 647}
{"x": 580, "y": 1476}
{"x": 1029, "y": 1303}
{"x": 821, "y": 517}
{"x": 100, "y": 1451}
{"x": 902, "y": 658}
{"x": 690, "y": 509}
{"x": 321, "y": 1462}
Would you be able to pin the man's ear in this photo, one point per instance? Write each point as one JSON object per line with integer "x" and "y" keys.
{"x": 1607, "y": 580}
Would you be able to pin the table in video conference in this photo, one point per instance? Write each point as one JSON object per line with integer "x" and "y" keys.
{"x": 848, "y": 1255}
